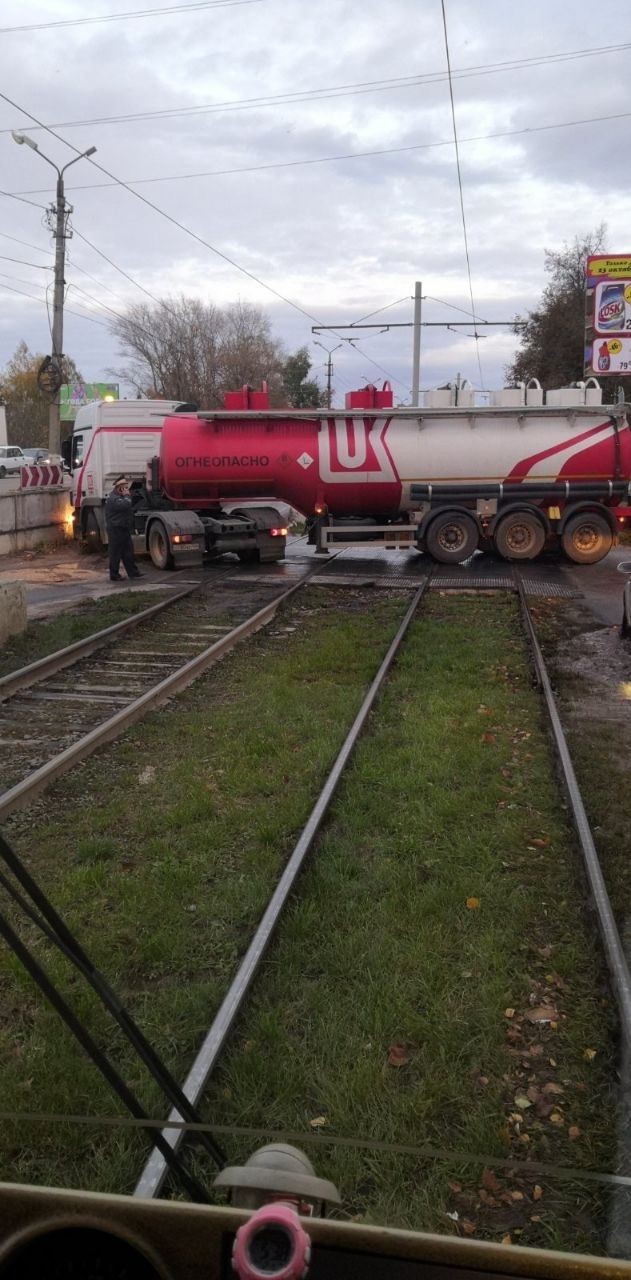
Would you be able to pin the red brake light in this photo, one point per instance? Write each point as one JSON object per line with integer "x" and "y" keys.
{"x": 278, "y": 533}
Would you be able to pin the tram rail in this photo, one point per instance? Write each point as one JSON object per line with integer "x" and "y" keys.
{"x": 156, "y": 1168}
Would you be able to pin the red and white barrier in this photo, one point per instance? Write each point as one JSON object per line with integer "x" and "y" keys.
{"x": 41, "y": 476}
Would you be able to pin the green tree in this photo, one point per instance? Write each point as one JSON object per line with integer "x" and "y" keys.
{"x": 27, "y": 407}
{"x": 301, "y": 392}
{"x": 552, "y": 338}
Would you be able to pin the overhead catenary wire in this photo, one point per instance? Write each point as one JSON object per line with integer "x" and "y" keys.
{"x": 154, "y": 12}
{"x": 130, "y": 183}
{"x": 343, "y": 90}
{"x": 460, "y": 190}
{"x": 174, "y": 221}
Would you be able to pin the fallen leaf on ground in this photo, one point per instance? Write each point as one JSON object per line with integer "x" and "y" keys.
{"x": 541, "y": 842}
{"x": 506, "y": 1239}
{"x": 522, "y": 1101}
{"x": 517, "y": 1195}
{"x": 509, "y": 1013}
{"x": 573, "y": 1132}
{"x": 490, "y": 1182}
{"x": 589, "y": 1054}
{"x": 473, "y": 903}
{"x": 537, "y": 1192}
{"x": 455, "y": 1216}
{"x": 488, "y": 737}
{"x": 556, "y": 1118}
{"x": 535, "y": 1217}
{"x": 468, "y": 1226}
{"x": 318, "y": 1122}
{"x": 551, "y": 1087}
{"x": 397, "y": 1055}
{"x": 455, "y": 1187}
{"x": 542, "y": 1013}
{"x": 148, "y": 774}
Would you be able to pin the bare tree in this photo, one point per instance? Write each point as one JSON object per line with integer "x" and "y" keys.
{"x": 184, "y": 349}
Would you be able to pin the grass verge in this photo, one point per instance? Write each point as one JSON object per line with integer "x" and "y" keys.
{"x": 42, "y": 638}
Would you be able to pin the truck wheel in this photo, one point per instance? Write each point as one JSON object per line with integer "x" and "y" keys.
{"x": 587, "y": 538}
{"x": 452, "y": 537}
{"x": 91, "y": 537}
{"x": 252, "y": 556}
{"x": 519, "y": 536}
{"x": 159, "y": 547}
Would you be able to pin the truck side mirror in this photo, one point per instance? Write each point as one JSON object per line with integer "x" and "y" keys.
{"x": 66, "y": 451}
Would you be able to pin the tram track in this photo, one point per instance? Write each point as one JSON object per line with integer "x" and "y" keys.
{"x": 57, "y": 699}
{"x": 239, "y": 987}
{"x": 155, "y": 1170}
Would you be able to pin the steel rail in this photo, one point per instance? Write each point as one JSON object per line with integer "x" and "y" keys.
{"x": 156, "y": 1168}
{"x": 614, "y": 951}
{"x": 30, "y": 786}
{"x": 24, "y": 677}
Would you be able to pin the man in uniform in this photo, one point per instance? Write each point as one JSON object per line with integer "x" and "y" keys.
{"x": 119, "y": 520}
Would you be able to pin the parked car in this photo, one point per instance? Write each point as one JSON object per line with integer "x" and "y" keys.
{"x": 11, "y": 459}
{"x": 36, "y": 455}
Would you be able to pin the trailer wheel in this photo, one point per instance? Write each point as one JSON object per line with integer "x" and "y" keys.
{"x": 452, "y": 537}
{"x": 519, "y": 536}
{"x": 159, "y": 546}
{"x": 587, "y": 538}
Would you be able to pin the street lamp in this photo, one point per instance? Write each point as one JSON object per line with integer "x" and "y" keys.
{"x": 61, "y": 210}
{"x": 329, "y": 367}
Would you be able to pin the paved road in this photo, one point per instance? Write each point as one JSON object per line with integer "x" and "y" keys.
{"x": 60, "y": 579}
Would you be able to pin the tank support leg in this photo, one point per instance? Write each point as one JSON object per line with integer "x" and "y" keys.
{"x": 322, "y": 522}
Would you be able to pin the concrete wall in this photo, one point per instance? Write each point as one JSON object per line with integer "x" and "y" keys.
{"x": 30, "y": 517}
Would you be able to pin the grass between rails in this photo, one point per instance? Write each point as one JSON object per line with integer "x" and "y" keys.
{"x": 436, "y": 981}
{"x": 161, "y": 852}
{"x": 42, "y": 638}
{"x": 380, "y": 961}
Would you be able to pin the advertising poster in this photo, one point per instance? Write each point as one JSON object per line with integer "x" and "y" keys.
{"x": 608, "y": 315}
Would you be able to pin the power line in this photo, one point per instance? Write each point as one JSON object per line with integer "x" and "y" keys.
{"x": 27, "y": 244}
{"x": 111, "y": 262}
{"x": 331, "y": 91}
{"x": 348, "y": 155}
{"x": 176, "y": 223}
{"x": 34, "y": 298}
{"x": 459, "y": 172}
{"x": 137, "y": 13}
{"x": 21, "y": 262}
{"x": 13, "y": 195}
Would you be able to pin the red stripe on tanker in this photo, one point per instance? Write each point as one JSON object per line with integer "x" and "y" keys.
{"x": 366, "y": 464}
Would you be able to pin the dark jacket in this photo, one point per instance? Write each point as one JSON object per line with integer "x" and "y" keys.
{"x": 119, "y": 513}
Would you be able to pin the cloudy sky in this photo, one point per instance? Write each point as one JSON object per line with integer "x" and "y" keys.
{"x": 312, "y": 144}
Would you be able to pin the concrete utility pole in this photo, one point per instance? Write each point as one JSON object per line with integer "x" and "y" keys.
{"x": 329, "y": 368}
{"x": 416, "y": 344}
{"x": 60, "y": 211}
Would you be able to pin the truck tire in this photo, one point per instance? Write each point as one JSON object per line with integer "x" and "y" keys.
{"x": 520, "y": 535}
{"x": 587, "y": 537}
{"x": 159, "y": 546}
{"x": 452, "y": 537}
{"x": 91, "y": 536}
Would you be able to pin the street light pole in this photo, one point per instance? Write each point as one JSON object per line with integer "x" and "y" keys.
{"x": 416, "y": 344}
{"x": 61, "y": 212}
{"x": 329, "y": 368}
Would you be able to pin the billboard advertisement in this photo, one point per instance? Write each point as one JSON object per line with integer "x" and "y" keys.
{"x": 74, "y": 394}
{"x": 608, "y": 315}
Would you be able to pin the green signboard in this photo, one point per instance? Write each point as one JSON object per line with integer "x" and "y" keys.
{"x": 73, "y": 395}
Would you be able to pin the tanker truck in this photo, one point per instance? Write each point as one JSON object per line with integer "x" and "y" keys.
{"x": 514, "y": 477}
{"x": 122, "y": 437}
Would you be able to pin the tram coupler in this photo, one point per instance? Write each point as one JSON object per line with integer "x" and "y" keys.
{"x": 279, "y": 1183}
